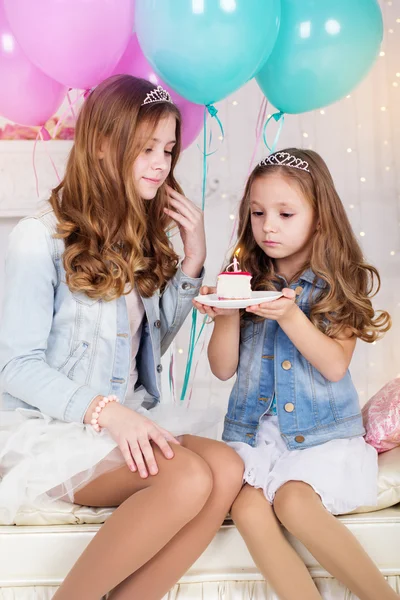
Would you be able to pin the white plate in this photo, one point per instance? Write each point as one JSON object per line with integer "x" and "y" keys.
{"x": 256, "y": 298}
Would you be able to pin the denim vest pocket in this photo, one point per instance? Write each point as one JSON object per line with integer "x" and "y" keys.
{"x": 73, "y": 359}
{"x": 82, "y": 298}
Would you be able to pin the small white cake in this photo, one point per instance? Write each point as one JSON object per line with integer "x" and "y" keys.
{"x": 233, "y": 285}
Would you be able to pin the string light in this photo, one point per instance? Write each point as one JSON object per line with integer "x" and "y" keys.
{"x": 305, "y": 135}
{"x": 224, "y": 195}
{"x": 235, "y": 103}
{"x": 363, "y": 180}
{"x": 383, "y": 108}
{"x": 232, "y": 217}
{"x": 382, "y": 54}
{"x": 322, "y": 112}
{"x": 362, "y": 233}
{"x": 392, "y": 253}
{"x": 349, "y": 150}
{"x": 180, "y": 351}
{"x": 223, "y": 158}
{"x": 351, "y": 206}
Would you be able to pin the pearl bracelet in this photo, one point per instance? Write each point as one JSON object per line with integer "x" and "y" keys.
{"x": 96, "y": 413}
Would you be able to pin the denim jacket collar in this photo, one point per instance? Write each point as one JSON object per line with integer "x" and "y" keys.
{"x": 309, "y": 276}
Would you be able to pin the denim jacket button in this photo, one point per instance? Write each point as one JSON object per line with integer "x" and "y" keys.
{"x": 287, "y": 365}
{"x": 157, "y": 324}
{"x": 298, "y": 290}
{"x": 159, "y": 368}
{"x": 186, "y": 285}
{"x": 289, "y": 407}
{"x": 299, "y": 439}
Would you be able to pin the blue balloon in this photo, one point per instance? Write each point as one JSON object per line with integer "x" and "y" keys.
{"x": 207, "y": 49}
{"x": 324, "y": 49}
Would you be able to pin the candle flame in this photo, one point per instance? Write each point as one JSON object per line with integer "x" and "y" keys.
{"x": 237, "y": 252}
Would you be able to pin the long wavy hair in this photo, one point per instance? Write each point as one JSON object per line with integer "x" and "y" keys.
{"x": 113, "y": 238}
{"x": 344, "y": 305}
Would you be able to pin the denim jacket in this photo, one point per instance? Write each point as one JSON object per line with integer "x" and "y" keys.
{"x": 311, "y": 409}
{"x": 60, "y": 349}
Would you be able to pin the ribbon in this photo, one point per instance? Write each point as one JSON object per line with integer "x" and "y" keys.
{"x": 44, "y": 136}
{"x": 279, "y": 117}
{"x": 193, "y": 341}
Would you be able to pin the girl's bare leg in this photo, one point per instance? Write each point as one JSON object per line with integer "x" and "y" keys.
{"x": 301, "y": 511}
{"x": 272, "y": 553}
{"x": 150, "y": 514}
{"x": 157, "y": 576}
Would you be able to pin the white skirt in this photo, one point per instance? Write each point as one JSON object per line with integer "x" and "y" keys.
{"x": 343, "y": 472}
{"x": 43, "y": 460}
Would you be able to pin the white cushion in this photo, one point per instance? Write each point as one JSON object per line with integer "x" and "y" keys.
{"x": 388, "y": 481}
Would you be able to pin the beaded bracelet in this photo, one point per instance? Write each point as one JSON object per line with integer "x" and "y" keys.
{"x": 96, "y": 413}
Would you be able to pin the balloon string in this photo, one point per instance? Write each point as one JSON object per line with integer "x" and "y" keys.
{"x": 44, "y": 136}
{"x": 193, "y": 341}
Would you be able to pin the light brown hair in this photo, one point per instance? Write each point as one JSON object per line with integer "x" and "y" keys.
{"x": 113, "y": 238}
{"x": 344, "y": 306}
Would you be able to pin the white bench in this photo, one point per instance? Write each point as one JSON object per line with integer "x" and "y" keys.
{"x": 35, "y": 559}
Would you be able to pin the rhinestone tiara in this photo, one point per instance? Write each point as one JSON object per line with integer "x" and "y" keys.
{"x": 157, "y": 95}
{"x": 284, "y": 159}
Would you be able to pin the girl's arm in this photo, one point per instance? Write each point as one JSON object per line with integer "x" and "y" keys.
{"x": 176, "y": 300}
{"x": 330, "y": 356}
{"x": 223, "y": 349}
{"x": 30, "y": 281}
{"x": 176, "y": 303}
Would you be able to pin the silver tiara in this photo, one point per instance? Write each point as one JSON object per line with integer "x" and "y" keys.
{"x": 284, "y": 159}
{"x": 157, "y": 95}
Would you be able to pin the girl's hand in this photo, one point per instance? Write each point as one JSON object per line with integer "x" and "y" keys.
{"x": 191, "y": 228}
{"x": 212, "y": 311}
{"x": 277, "y": 310}
{"x": 133, "y": 433}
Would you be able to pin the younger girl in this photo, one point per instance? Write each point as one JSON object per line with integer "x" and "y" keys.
{"x": 94, "y": 296}
{"x": 293, "y": 414}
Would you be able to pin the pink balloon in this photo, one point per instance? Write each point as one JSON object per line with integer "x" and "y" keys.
{"x": 76, "y": 42}
{"x": 133, "y": 62}
{"x": 27, "y": 95}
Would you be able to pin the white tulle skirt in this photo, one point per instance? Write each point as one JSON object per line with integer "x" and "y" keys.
{"x": 43, "y": 459}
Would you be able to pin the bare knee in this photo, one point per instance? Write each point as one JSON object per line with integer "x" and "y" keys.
{"x": 291, "y": 503}
{"x": 188, "y": 482}
{"x": 225, "y": 464}
{"x": 227, "y": 469}
{"x": 248, "y": 506}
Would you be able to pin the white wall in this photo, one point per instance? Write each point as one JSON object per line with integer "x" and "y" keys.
{"x": 357, "y": 123}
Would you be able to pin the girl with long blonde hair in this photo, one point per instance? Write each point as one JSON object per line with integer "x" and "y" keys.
{"x": 294, "y": 415}
{"x": 94, "y": 295}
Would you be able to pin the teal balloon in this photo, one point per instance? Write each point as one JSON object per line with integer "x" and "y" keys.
{"x": 207, "y": 49}
{"x": 324, "y": 49}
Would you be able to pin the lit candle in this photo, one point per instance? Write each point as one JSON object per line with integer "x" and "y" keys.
{"x": 235, "y": 261}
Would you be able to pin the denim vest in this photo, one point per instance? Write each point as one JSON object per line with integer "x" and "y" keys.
{"x": 60, "y": 349}
{"x": 311, "y": 409}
